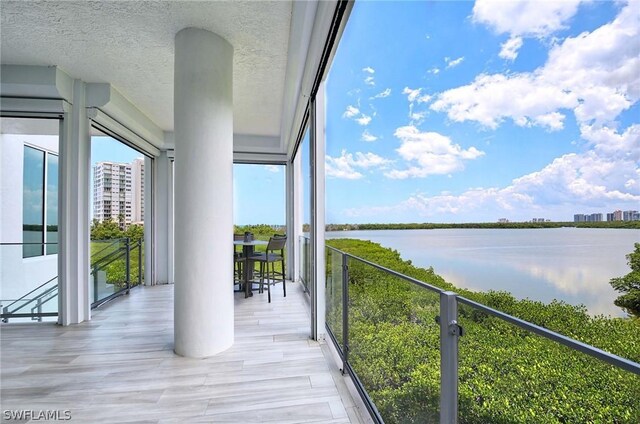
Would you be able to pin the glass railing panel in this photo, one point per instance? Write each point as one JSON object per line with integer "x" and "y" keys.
{"x": 137, "y": 263}
{"x": 28, "y": 285}
{"x": 304, "y": 272}
{"x": 333, "y": 295}
{"x": 394, "y": 343}
{"x": 108, "y": 273}
{"x": 508, "y": 374}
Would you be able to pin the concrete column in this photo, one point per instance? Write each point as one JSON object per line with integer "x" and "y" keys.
{"x": 151, "y": 216}
{"x": 317, "y": 155}
{"x": 74, "y": 171}
{"x": 203, "y": 112}
{"x": 161, "y": 189}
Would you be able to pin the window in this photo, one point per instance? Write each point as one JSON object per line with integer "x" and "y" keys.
{"x": 39, "y": 206}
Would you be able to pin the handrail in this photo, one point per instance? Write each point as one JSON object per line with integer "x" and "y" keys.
{"x": 6, "y": 308}
{"x": 28, "y": 243}
{"x": 450, "y": 331}
{"x": 610, "y": 358}
{"x": 390, "y": 271}
{"x": 113, "y": 241}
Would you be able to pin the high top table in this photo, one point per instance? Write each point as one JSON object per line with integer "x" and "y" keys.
{"x": 247, "y": 252}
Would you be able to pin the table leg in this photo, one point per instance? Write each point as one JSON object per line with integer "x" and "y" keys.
{"x": 247, "y": 251}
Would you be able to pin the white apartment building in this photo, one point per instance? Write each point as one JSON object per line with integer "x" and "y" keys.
{"x": 112, "y": 192}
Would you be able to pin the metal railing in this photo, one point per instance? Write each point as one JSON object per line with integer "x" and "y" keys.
{"x": 339, "y": 280}
{"x": 35, "y": 304}
{"x": 304, "y": 270}
{"x": 111, "y": 269}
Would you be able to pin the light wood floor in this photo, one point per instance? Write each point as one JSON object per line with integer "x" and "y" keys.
{"x": 120, "y": 367}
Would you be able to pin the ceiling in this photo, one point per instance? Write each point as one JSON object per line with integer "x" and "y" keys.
{"x": 130, "y": 44}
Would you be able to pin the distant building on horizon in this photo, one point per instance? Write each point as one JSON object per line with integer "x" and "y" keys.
{"x": 118, "y": 192}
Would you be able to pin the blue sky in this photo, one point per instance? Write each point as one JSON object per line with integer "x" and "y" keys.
{"x": 258, "y": 190}
{"x": 475, "y": 111}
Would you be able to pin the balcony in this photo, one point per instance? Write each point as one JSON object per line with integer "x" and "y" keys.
{"x": 121, "y": 366}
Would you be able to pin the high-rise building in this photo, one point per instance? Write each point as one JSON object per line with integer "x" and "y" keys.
{"x": 617, "y": 215}
{"x": 610, "y": 217}
{"x": 595, "y": 217}
{"x": 630, "y": 216}
{"x": 137, "y": 191}
{"x": 112, "y": 192}
{"x": 580, "y": 217}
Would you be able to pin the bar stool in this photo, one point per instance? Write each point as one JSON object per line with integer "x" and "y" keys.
{"x": 268, "y": 273}
{"x": 238, "y": 262}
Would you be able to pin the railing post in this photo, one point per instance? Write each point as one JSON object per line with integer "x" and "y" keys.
{"x": 140, "y": 262}
{"x": 345, "y": 312}
{"x": 39, "y": 309}
{"x": 449, "y": 333}
{"x": 95, "y": 283}
{"x": 127, "y": 262}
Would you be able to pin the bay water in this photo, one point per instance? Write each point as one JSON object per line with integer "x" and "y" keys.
{"x": 569, "y": 264}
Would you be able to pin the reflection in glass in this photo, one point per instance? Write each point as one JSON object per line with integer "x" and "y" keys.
{"x": 52, "y": 204}
{"x": 33, "y": 202}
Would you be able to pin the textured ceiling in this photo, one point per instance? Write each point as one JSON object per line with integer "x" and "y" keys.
{"x": 130, "y": 44}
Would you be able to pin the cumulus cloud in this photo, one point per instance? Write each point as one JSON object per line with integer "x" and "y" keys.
{"x": 363, "y": 120}
{"x": 345, "y": 166}
{"x": 369, "y": 70}
{"x": 354, "y": 113}
{"x": 453, "y": 63}
{"x": 509, "y": 49}
{"x": 595, "y": 74}
{"x": 524, "y": 17}
{"x": 413, "y": 95}
{"x": 603, "y": 176}
{"x": 351, "y": 112}
{"x": 382, "y": 94}
{"x": 369, "y": 80}
{"x": 368, "y": 137}
{"x": 429, "y": 153}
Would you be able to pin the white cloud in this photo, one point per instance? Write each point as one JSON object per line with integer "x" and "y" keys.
{"x": 272, "y": 168}
{"x": 354, "y": 113}
{"x": 382, "y": 95}
{"x": 434, "y": 71}
{"x": 369, "y": 80}
{"x": 363, "y": 120}
{"x": 369, "y": 70}
{"x": 453, "y": 63}
{"x": 368, "y": 137}
{"x": 604, "y": 177}
{"x": 429, "y": 153}
{"x": 345, "y": 165}
{"x": 351, "y": 112}
{"x": 525, "y": 17}
{"x": 509, "y": 49}
{"x": 596, "y": 74}
{"x": 413, "y": 95}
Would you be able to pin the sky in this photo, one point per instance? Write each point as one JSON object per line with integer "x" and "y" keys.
{"x": 258, "y": 190}
{"x": 476, "y": 111}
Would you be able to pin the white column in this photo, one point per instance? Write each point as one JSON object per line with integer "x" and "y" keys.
{"x": 317, "y": 153}
{"x": 149, "y": 217}
{"x": 203, "y": 112}
{"x": 298, "y": 205}
{"x": 73, "y": 256}
{"x": 161, "y": 226}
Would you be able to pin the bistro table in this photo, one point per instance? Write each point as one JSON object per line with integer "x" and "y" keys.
{"x": 247, "y": 252}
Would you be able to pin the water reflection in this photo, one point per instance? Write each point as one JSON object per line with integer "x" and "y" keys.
{"x": 573, "y": 265}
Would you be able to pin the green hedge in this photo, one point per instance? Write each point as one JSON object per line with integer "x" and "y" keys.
{"x": 506, "y": 374}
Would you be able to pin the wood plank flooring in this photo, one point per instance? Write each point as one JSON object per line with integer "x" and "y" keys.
{"x": 120, "y": 366}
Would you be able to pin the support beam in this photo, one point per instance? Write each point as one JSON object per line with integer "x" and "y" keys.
{"x": 317, "y": 154}
{"x": 161, "y": 191}
{"x": 203, "y": 109}
{"x": 73, "y": 256}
